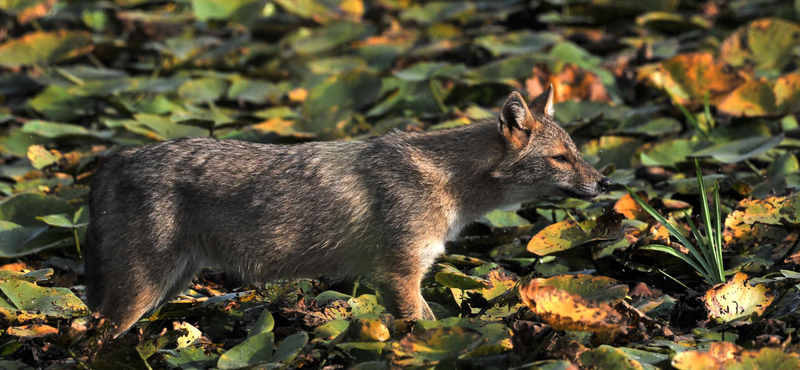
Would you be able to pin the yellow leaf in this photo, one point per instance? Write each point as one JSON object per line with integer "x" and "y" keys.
{"x": 737, "y": 299}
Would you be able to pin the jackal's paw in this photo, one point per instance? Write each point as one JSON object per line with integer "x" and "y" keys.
{"x": 427, "y": 313}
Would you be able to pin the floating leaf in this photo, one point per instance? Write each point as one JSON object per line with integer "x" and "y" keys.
{"x": 759, "y": 98}
{"x": 498, "y": 218}
{"x": 252, "y": 351}
{"x": 739, "y": 150}
{"x": 264, "y": 324}
{"x": 290, "y": 347}
{"x": 49, "y": 302}
{"x": 23, "y": 209}
{"x": 557, "y": 237}
{"x": 236, "y": 10}
{"x": 41, "y": 157}
{"x": 564, "y": 310}
{"x": 765, "y": 44}
{"x": 454, "y": 278}
{"x": 593, "y": 288}
{"x": 428, "y": 347}
{"x": 203, "y": 89}
{"x": 737, "y": 299}
{"x": 310, "y": 42}
{"x": 518, "y": 43}
{"x": 31, "y": 331}
{"x": 687, "y": 78}
{"x": 44, "y": 47}
{"x": 725, "y": 355}
{"x": 371, "y": 329}
{"x": 607, "y": 357}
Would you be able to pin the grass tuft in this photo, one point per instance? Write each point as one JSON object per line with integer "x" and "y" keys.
{"x": 706, "y": 256}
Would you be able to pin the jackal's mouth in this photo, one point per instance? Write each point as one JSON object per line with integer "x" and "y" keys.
{"x": 579, "y": 194}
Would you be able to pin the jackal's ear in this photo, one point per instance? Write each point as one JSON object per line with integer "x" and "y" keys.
{"x": 516, "y": 122}
{"x": 543, "y": 103}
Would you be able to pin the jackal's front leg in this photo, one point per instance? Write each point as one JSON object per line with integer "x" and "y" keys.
{"x": 402, "y": 296}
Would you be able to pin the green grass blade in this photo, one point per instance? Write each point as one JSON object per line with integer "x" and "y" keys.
{"x": 713, "y": 240}
{"x": 672, "y": 230}
{"x": 673, "y": 279}
{"x": 691, "y": 118}
{"x": 718, "y": 230}
{"x": 707, "y": 111}
{"x": 704, "y": 211}
{"x": 708, "y": 254}
{"x": 683, "y": 257}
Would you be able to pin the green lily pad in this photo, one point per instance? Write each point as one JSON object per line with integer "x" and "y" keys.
{"x": 352, "y": 90}
{"x": 23, "y": 209}
{"x": 236, "y": 10}
{"x": 253, "y": 91}
{"x": 44, "y": 48}
{"x": 190, "y": 358}
{"x": 264, "y": 324}
{"x": 252, "y": 351}
{"x": 315, "y": 41}
{"x": 451, "y": 277}
{"x": 518, "y": 43}
{"x": 607, "y": 357}
{"x": 290, "y": 347}
{"x": 48, "y": 302}
{"x": 41, "y": 157}
{"x": 739, "y": 150}
{"x": 17, "y": 240}
{"x": 428, "y": 347}
{"x": 54, "y": 130}
{"x": 203, "y": 89}
{"x": 766, "y": 44}
{"x": 330, "y": 330}
{"x": 61, "y": 220}
{"x": 499, "y": 218}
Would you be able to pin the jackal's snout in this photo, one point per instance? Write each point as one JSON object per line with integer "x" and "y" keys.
{"x": 604, "y": 183}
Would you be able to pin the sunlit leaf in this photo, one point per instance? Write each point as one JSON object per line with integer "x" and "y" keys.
{"x": 737, "y": 299}
{"x": 765, "y": 44}
{"x": 44, "y": 47}
{"x": 564, "y": 310}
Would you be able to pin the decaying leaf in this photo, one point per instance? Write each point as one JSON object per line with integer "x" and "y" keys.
{"x": 565, "y": 310}
{"x": 737, "y": 299}
{"x": 557, "y": 237}
{"x": 725, "y": 355}
{"x": 760, "y": 223}
{"x": 687, "y": 78}
{"x": 428, "y": 347}
{"x": 765, "y": 44}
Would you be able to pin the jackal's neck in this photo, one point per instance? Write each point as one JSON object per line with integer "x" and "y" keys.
{"x": 466, "y": 157}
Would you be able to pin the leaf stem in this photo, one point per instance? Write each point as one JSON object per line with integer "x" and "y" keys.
{"x": 436, "y": 96}
{"x": 77, "y": 242}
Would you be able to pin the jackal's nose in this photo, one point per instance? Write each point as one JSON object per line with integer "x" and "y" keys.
{"x": 604, "y": 184}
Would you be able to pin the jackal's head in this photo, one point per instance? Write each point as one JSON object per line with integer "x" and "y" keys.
{"x": 540, "y": 157}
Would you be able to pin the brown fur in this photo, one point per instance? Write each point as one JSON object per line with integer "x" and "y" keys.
{"x": 381, "y": 208}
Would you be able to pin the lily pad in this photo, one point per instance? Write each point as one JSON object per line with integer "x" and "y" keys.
{"x": 766, "y": 44}
{"x": 557, "y": 237}
{"x": 739, "y": 150}
{"x": 737, "y": 299}
{"x": 252, "y": 351}
{"x": 725, "y": 355}
{"x": 429, "y": 347}
{"x": 564, "y": 310}
{"x": 44, "y": 47}
{"x": 48, "y": 302}
{"x": 687, "y": 78}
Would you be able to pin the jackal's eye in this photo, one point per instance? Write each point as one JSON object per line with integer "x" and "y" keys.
{"x": 561, "y": 158}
